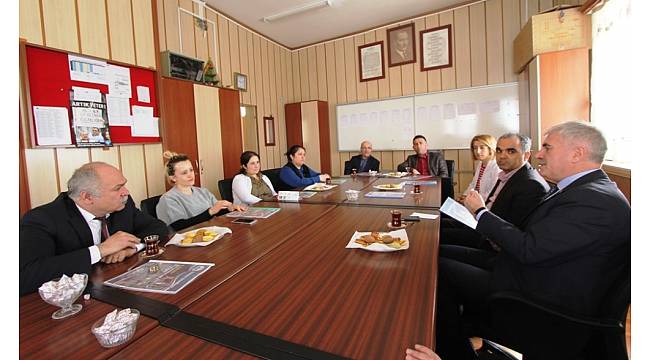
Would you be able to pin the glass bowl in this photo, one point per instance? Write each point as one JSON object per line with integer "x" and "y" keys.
{"x": 117, "y": 336}
{"x": 352, "y": 195}
{"x": 64, "y": 298}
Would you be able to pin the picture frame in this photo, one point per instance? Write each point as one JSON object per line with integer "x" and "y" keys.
{"x": 401, "y": 45}
{"x": 269, "y": 130}
{"x": 240, "y": 82}
{"x": 435, "y": 48}
{"x": 371, "y": 61}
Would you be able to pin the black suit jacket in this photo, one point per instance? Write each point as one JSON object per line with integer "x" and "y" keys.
{"x": 54, "y": 239}
{"x": 437, "y": 164}
{"x": 355, "y": 161}
{"x": 571, "y": 248}
{"x": 520, "y": 195}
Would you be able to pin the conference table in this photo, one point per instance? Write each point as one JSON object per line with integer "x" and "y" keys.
{"x": 284, "y": 287}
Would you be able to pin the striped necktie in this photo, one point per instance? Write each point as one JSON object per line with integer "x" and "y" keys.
{"x": 105, "y": 234}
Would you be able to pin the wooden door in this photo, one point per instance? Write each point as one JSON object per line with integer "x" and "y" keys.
{"x": 178, "y": 128}
{"x": 208, "y": 130}
{"x": 231, "y": 132}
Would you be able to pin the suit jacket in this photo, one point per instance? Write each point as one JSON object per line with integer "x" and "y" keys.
{"x": 437, "y": 164}
{"x": 571, "y": 248}
{"x": 355, "y": 161}
{"x": 54, "y": 239}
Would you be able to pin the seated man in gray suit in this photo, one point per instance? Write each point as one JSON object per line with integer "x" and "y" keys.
{"x": 363, "y": 162}
{"x": 424, "y": 162}
{"x": 518, "y": 190}
{"x": 94, "y": 221}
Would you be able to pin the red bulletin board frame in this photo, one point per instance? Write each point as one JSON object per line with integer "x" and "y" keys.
{"x": 50, "y": 85}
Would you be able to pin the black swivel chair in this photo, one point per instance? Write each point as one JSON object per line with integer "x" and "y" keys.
{"x": 148, "y": 206}
{"x": 347, "y": 168}
{"x": 539, "y": 331}
{"x": 274, "y": 177}
{"x": 225, "y": 189}
{"x": 447, "y": 189}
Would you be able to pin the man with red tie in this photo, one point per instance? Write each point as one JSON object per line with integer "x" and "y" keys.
{"x": 95, "y": 220}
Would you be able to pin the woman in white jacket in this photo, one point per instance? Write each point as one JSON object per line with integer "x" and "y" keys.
{"x": 250, "y": 185}
{"x": 485, "y": 177}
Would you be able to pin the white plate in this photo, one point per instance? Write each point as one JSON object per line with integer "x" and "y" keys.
{"x": 221, "y": 231}
{"x": 319, "y": 187}
{"x": 396, "y": 174}
{"x": 385, "y": 187}
{"x": 376, "y": 246}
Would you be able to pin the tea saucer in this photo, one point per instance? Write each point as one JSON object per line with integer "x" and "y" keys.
{"x": 390, "y": 225}
{"x": 143, "y": 253}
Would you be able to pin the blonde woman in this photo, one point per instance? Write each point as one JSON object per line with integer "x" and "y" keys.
{"x": 184, "y": 204}
{"x": 485, "y": 177}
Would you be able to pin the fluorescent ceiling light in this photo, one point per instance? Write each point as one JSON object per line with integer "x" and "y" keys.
{"x": 297, "y": 10}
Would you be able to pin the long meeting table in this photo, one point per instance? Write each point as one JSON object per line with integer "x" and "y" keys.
{"x": 287, "y": 279}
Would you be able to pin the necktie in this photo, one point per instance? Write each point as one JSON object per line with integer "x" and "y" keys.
{"x": 104, "y": 232}
{"x": 554, "y": 189}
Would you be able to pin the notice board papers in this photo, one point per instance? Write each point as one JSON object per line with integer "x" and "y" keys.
{"x": 52, "y": 125}
{"x": 159, "y": 276}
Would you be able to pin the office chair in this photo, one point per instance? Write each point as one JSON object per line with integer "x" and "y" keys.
{"x": 148, "y": 206}
{"x": 447, "y": 185}
{"x": 539, "y": 331}
{"x": 347, "y": 168}
{"x": 274, "y": 176}
{"x": 225, "y": 189}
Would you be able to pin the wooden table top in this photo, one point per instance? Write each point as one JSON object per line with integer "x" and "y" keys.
{"x": 42, "y": 337}
{"x": 337, "y": 194}
{"x": 230, "y": 254}
{"x": 313, "y": 291}
{"x": 428, "y": 199}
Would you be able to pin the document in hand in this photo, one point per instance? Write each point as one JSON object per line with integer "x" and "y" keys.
{"x": 458, "y": 212}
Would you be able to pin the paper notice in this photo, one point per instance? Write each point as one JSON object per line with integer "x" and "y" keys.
{"x": 143, "y": 126}
{"x": 119, "y": 81}
{"x": 467, "y": 109}
{"x": 86, "y": 94}
{"x": 487, "y": 107}
{"x": 458, "y": 212}
{"x": 448, "y": 111}
{"x": 88, "y": 70}
{"x": 425, "y": 216}
{"x": 118, "y": 111}
{"x": 52, "y": 125}
{"x": 143, "y": 94}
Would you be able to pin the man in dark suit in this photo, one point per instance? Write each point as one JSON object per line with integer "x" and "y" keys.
{"x": 518, "y": 191}
{"x": 96, "y": 220}
{"x": 567, "y": 253}
{"x": 424, "y": 162}
{"x": 363, "y": 162}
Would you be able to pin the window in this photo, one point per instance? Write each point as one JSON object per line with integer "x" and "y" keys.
{"x": 614, "y": 78}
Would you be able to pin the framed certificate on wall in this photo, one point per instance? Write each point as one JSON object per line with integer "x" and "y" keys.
{"x": 435, "y": 48}
{"x": 371, "y": 61}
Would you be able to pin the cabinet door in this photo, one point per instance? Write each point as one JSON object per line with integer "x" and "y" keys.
{"x": 178, "y": 120}
{"x": 208, "y": 130}
{"x": 231, "y": 134}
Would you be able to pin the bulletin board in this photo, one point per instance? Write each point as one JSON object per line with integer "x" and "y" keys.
{"x": 50, "y": 84}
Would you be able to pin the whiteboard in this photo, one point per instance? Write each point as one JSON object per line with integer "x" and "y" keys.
{"x": 388, "y": 124}
{"x": 448, "y": 119}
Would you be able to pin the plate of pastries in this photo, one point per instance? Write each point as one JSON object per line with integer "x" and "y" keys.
{"x": 379, "y": 241}
{"x": 199, "y": 237}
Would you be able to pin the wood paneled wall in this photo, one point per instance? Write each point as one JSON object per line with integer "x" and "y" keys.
{"x": 120, "y": 30}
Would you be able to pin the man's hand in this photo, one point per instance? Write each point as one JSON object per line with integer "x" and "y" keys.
{"x": 119, "y": 256}
{"x": 117, "y": 242}
{"x": 421, "y": 353}
{"x": 414, "y": 171}
{"x": 473, "y": 201}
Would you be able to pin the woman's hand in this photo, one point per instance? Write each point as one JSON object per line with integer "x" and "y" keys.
{"x": 221, "y": 204}
{"x": 241, "y": 208}
{"x": 323, "y": 177}
{"x": 421, "y": 353}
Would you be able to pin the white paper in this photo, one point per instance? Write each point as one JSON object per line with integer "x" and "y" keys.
{"x": 457, "y": 211}
{"x": 143, "y": 94}
{"x": 487, "y": 107}
{"x": 52, "y": 125}
{"x": 86, "y": 94}
{"x": 142, "y": 111}
{"x": 143, "y": 126}
{"x": 467, "y": 109}
{"x": 88, "y": 70}
{"x": 448, "y": 111}
{"x": 118, "y": 111}
{"x": 425, "y": 216}
{"x": 288, "y": 196}
{"x": 119, "y": 81}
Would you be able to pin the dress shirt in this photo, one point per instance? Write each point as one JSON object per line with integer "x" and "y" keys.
{"x": 503, "y": 179}
{"x": 362, "y": 164}
{"x": 423, "y": 164}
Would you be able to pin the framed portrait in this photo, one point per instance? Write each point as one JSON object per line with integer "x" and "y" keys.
{"x": 435, "y": 48}
{"x": 241, "y": 82}
{"x": 371, "y": 61}
{"x": 401, "y": 45}
{"x": 269, "y": 131}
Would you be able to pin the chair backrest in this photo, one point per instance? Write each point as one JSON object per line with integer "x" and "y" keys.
{"x": 148, "y": 206}
{"x": 447, "y": 186}
{"x": 225, "y": 189}
{"x": 451, "y": 169}
{"x": 274, "y": 176}
{"x": 347, "y": 168}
